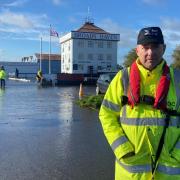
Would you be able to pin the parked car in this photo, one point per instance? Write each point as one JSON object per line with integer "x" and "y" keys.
{"x": 103, "y": 82}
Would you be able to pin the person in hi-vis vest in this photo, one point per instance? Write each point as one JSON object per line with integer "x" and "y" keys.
{"x": 2, "y": 77}
{"x": 140, "y": 114}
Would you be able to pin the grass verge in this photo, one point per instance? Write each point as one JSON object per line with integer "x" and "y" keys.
{"x": 91, "y": 101}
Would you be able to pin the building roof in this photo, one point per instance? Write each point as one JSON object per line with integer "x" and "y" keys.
{"x": 90, "y": 27}
{"x": 54, "y": 57}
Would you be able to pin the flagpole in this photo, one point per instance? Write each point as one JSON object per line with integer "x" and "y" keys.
{"x": 50, "y": 50}
{"x": 41, "y": 54}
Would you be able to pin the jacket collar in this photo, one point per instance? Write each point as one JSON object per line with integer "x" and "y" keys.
{"x": 156, "y": 70}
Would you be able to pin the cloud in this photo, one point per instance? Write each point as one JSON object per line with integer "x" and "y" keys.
{"x": 17, "y": 3}
{"x": 22, "y": 22}
{"x": 153, "y": 2}
{"x": 1, "y": 52}
{"x": 36, "y": 29}
{"x": 175, "y": 37}
{"x": 23, "y": 26}
{"x": 57, "y": 2}
{"x": 171, "y": 29}
{"x": 19, "y": 20}
{"x": 127, "y": 35}
{"x": 17, "y": 31}
{"x": 72, "y": 19}
{"x": 171, "y": 23}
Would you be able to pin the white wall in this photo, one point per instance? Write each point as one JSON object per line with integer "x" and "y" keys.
{"x": 70, "y": 51}
{"x": 95, "y": 51}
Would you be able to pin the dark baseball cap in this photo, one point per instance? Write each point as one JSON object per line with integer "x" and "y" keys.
{"x": 150, "y": 35}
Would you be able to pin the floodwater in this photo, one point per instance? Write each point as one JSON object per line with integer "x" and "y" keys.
{"x": 44, "y": 135}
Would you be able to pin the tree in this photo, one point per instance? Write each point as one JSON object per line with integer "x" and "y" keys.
{"x": 176, "y": 57}
{"x": 130, "y": 57}
{"x": 119, "y": 67}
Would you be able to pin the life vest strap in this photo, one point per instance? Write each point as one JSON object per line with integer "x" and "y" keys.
{"x": 149, "y": 100}
{"x": 145, "y": 99}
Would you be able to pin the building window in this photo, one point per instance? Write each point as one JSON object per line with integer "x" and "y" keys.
{"x": 100, "y": 57}
{"x": 90, "y": 57}
{"x": 99, "y": 67}
{"x": 75, "y": 67}
{"x": 90, "y": 69}
{"x": 109, "y": 44}
{"x": 90, "y": 44}
{"x": 80, "y": 67}
{"x": 109, "y": 57}
{"x": 109, "y": 66}
{"x": 81, "y": 43}
{"x": 100, "y": 44}
{"x": 80, "y": 56}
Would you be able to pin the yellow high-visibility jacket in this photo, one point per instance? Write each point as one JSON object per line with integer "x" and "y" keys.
{"x": 39, "y": 74}
{"x": 2, "y": 74}
{"x": 139, "y": 129}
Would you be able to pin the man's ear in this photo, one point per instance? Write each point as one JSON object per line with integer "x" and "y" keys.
{"x": 136, "y": 50}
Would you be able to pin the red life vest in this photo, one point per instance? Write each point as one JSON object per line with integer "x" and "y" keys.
{"x": 161, "y": 91}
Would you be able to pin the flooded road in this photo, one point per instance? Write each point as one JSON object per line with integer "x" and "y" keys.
{"x": 44, "y": 135}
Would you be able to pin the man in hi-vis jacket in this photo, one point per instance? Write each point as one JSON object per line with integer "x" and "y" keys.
{"x": 2, "y": 77}
{"x": 140, "y": 114}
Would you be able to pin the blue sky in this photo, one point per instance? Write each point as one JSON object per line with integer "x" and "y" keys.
{"x": 23, "y": 22}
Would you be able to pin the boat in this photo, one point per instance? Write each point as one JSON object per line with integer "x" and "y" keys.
{"x": 19, "y": 79}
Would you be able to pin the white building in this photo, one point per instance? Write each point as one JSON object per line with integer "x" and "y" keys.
{"x": 88, "y": 50}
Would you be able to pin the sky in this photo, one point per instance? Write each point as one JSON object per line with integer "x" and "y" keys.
{"x": 24, "y": 22}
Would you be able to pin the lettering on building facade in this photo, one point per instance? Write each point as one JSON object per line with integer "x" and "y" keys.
{"x": 95, "y": 36}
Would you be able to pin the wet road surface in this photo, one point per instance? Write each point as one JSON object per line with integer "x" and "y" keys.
{"x": 44, "y": 135}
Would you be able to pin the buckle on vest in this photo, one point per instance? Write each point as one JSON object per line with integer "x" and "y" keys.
{"x": 147, "y": 99}
{"x": 124, "y": 100}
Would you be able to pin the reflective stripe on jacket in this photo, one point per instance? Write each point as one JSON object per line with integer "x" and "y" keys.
{"x": 139, "y": 129}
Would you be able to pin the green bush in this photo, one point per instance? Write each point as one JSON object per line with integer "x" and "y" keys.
{"x": 91, "y": 101}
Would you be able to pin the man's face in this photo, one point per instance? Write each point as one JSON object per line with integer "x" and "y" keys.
{"x": 150, "y": 55}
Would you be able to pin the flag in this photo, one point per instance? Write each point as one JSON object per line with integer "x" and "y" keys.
{"x": 53, "y": 33}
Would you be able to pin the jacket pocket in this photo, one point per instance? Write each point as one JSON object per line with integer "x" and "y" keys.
{"x": 167, "y": 158}
{"x": 140, "y": 158}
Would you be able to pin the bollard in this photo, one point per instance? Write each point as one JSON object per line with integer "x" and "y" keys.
{"x": 80, "y": 91}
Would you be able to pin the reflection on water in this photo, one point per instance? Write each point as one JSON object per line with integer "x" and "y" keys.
{"x": 27, "y": 101}
{"x": 45, "y": 135}
{"x": 24, "y": 102}
{"x": 66, "y": 106}
{"x": 2, "y": 92}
